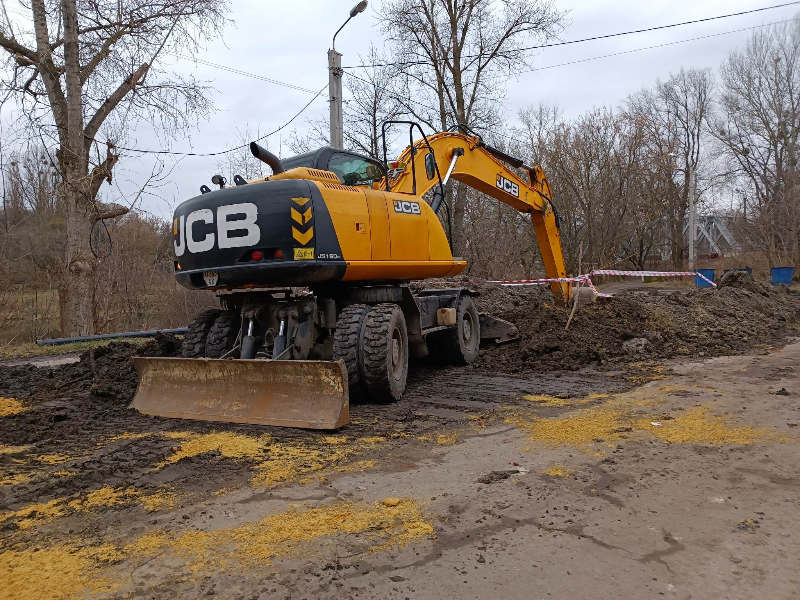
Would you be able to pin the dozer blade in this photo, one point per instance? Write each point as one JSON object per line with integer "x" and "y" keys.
{"x": 497, "y": 330}
{"x": 289, "y": 393}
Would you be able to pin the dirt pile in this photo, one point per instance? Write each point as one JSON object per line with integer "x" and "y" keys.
{"x": 636, "y": 326}
{"x": 744, "y": 281}
{"x": 102, "y": 383}
{"x": 90, "y": 397}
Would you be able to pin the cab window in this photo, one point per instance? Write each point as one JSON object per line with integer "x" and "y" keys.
{"x": 353, "y": 170}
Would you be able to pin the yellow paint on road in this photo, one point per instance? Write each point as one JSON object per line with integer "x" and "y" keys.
{"x": 699, "y": 426}
{"x": 62, "y": 571}
{"x": 57, "y": 459}
{"x": 14, "y": 449}
{"x": 228, "y": 444}
{"x": 69, "y": 571}
{"x": 11, "y": 406}
{"x": 559, "y": 471}
{"x": 15, "y": 478}
{"x": 440, "y": 439}
{"x": 545, "y": 400}
{"x": 630, "y": 416}
{"x": 41, "y": 513}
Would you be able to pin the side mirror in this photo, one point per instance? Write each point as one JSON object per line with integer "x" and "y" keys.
{"x": 430, "y": 165}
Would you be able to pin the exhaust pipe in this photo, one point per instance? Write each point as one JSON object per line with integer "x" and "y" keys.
{"x": 267, "y": 157}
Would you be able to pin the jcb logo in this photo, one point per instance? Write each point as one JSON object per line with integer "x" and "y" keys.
{"x": 230, "y": 219}
{"x": 409, "y": 208}
{"x": 508, "y": 186}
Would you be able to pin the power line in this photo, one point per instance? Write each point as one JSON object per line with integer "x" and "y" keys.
{"x": 694, "y": 39}
{"x": 409, "y": 101}
{"x": 397, "y": 96}
{"x": 229, "y": 150}
{"x": 588, "y": 39}
{"x": 216, "y": 66}
{"x": 244, "y": 73}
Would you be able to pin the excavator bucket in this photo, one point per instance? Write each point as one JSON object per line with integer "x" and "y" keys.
{"x": 287, "y": 393}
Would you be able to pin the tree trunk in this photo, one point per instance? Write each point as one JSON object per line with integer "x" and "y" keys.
{"x": 76, "y": 292}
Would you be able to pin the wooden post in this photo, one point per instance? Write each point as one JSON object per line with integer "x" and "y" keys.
{"x": 577, "y": 294}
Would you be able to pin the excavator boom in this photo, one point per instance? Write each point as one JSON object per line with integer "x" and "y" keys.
{"x": 468, "y": 160}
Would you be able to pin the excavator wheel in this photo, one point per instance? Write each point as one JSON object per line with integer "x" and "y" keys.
{"x": 222, "y": 336}
{"x": 347, "y": 344}
{"x": 385, "y": 352}
{"x": 194, "y": 342}
{"x": 459, "y": 345}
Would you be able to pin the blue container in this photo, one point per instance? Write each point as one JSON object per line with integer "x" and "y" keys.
{"x": 782, "y": 275}
{"x": 707, "y": 273}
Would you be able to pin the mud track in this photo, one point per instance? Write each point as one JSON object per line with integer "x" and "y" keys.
{"x": 94, "y": 485}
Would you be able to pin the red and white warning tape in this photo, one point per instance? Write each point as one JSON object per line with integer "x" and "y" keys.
{"x": 595, "y": 290}
{"x": 653, "y": 274}
{"x": 585, "y": 278}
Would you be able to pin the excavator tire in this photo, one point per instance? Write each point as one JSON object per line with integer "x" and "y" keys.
{"x": 385, "y": 352}
{"x": 459, "y": 345}
{"x": 223, "y": 334}
{"x": 194, "y": 342}
{"x": 347, "y": 343}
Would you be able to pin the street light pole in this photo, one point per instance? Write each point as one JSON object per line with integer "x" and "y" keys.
{"x": 335, "y": 82}
{"x": 692, "y": 202}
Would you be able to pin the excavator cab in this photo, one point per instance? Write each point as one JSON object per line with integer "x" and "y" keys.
{"x": 350, "y": 167}
{"x": 312, "y": 266}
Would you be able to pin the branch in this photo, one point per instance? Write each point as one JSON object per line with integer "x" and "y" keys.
{"x": 27, "y": 86}
{"x": 50, "y": 73}
{"x": 109, "y": 211}
{"x": 105, "y": 50}
{"x": 24, "y": 56}
{"x": 113, "y": 100}
{"x": 99, "y": 174}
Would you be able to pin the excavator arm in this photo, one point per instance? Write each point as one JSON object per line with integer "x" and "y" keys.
{"x": 468, "y": 160}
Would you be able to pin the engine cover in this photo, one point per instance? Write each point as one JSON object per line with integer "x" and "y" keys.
{"x": 286, "y": 221}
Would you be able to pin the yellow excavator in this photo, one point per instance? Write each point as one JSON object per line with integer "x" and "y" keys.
{"x": 312, "y": 266}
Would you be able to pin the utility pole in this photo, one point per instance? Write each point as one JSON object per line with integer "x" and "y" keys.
{"x": 335, "y": 94}
{"x": 692, "y": 202}
{"x": 335, "y": 82}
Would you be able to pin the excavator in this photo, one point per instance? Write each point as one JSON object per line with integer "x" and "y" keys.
{"x": 312, "y": 266}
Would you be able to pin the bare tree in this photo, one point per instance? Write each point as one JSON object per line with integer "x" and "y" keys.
{"x": 90, "y": 69}
{"x": 675, "y": 115}
{"x": 758, "y": 128}
{"x": 373, "y": 100}
{"x": 456, "y": 56}
{"x": 241, "y": 161}
{"x": 538, "y": 126}
{"x": 593, "y": 167}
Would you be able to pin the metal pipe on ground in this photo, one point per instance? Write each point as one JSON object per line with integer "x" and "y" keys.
{"x": 110, "y": 336}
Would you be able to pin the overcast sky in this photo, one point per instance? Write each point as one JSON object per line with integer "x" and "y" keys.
{"x": 288, "y": 40}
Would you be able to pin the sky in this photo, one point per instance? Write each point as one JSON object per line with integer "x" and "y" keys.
{"x": 288, "y": 42}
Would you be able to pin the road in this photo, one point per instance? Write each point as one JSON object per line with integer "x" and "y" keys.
{"x": 684, "y": 487}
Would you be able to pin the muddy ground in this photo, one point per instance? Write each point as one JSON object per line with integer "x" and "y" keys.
{"x": 610, "y": 460}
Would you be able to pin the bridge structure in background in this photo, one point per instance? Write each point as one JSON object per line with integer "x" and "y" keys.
{"x": 712, "y": 236}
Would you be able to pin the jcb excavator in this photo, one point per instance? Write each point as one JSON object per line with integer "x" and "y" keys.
{"x": 351, "y": 233}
